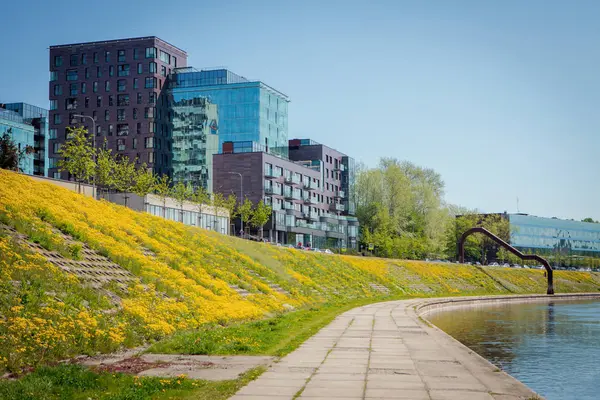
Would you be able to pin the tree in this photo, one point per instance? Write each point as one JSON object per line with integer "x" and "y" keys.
{"x": 105, "y": 166}
{"x": 144, "y": 181}
{"x": 230, "y": 205}
{"x": 200, "y": 198}
{"x": 10, "y": 154}
{"x": 244, "y": 210}
{"x": 588, "y": 219}
{"x": 77, "y": 155}
{"x": 124, "y": 174}
{"x": 162, "y": 188}
{"x": 182, "y": 193}
{"x": 260, "y": 216}
{"x": 217, "y": 201}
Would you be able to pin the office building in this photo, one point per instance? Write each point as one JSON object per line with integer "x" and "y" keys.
{"x": 120, "y": 84}
{"x": 306, "y": 194}
{"x": 250, "y": 111}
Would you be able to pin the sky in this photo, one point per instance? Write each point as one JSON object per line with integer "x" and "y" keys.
{"x": 502, "y": 98}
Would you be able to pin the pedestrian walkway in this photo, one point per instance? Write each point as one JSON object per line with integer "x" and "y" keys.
{"x": 383, "y": 351}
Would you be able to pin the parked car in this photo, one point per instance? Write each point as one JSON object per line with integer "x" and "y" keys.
{"x": 327, "y": 251}
{"x": 494, "y": 264}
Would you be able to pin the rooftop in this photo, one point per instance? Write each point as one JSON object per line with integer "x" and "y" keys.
{"x": 116, "y": 41}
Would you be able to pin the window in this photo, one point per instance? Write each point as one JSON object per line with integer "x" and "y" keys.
{"x": 151, "y": 157}
{"x": 73, "y": 60}
{"x": 150, "y": 52}
{"x": 139, "y": 98}
{"x": 87, "y": 102}
{"x": 122, "y": 130}
{"x": 95, "y": 58}
{"x": 83, "y": 87}
{"x": 152, "y": 127}
{"x": 110, "y": 129}
{"x": 94, "y": 115}
{"x": 152, "y": 67}
{"x": 111, "y": 100}
{"x": 139, "y": 128}
{"x": 57, "y": 90}
{"x": 98, "y": 130}
{"x": 57, "y": 119}
{"x": 95, "y": 87}
{"x": 135, "y": 113}
{"x": 163, "y": 70}
{"x": 134, "y": 143}
{"x": 107, "y": 56}
{"x": 111, "y": 70}
{"x": 52, "y": 133}
{"x": 53, "y": 76}
{"x": 175, "y": 61}
{"x": 121, "y": 56}
{"x": 83, "y": 59}
{"x": 106, "y": 115}
{"x": 123, "y": 100}
{"x": 71, "y": 74}
{"x": 120, "y": 144}
{"x": 107, "y": 86}
{"x": 152, "y": 97}
{"x": 136, "y": 54}
{"x": 149, "y": 112}
{"x": 99, "y": 72}
{"x": 121, "y": 85}
{"x": 56, "y": 147}
{"x": 140, "y": 68}
{"x": 150, "y": 83}
{"x": 121, "y": 114}
{"x": 123, "y": 70}
{"x": 87, "y": 73}
{"x": 135, "y": 83}
{"x": 165, "y": 57}
{"x": 99, "y": 101}
{"x": 53, "y": 104}
{"x": 149, "y": 143}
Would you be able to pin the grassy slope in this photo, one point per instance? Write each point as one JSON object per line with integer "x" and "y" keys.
{"x": 194, "y": 268}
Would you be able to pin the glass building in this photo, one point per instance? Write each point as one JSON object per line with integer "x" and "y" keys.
{"x": 548, "y": 235}
{"x": 195, "y": 138}
{"x": 249, "y": 111}
{"x": 21, "y": 133}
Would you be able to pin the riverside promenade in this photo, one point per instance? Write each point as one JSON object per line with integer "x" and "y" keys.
{"x": 383, "y": 351}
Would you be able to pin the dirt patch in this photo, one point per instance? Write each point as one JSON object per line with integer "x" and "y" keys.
{"x": 132, "y": 365}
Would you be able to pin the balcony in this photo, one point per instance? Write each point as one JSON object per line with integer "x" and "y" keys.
{"x": 292, "y": 179}
{"x": 340, "y": 194}
{"x": 270, "y": 190}
{"x": 340, "y": 167}
{"x": 288, "y": 195}
{"x": 312, "y": 216}
{"x": 310, "y": 186}
{"x": 336, "y": 207}
{"x": 309, "y": 200}
{"x": 271, "y": 174}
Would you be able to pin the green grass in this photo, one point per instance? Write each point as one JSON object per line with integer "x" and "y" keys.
{"x": 79, "y": 383}
{"x": 275, "y": 336}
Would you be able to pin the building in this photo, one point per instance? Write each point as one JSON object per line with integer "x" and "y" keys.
{"x": 22, "y": 133}
{"x": 120, "y": 84}
{"x": 38, "y": 118}
{"x": 249, "y": 111}
{"x": 195, "y": 138}
{"x": 305, "y": 195}
{"x": 550, "y": 236}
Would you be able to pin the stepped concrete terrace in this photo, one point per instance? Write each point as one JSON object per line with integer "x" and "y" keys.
{"x": 389, "y": 351}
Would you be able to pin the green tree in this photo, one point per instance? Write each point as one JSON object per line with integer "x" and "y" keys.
{"x": 217, "y": 202}
{"x": 10, "y": 154}
{"x": 588, "y": 219}
{"x": 260, "y": 216}
{"x": 123, "y": 179}
{"x": 144, "y": 181}
{"x": 77, "y": 155}
{"x": 201, "y": 199}
{"x": 162, "y": 188}
{"x": 105, "y": 167}
{"x": 182, "y": 193}
{"x": 244, "y": 210}
{"x": 230, "y": 205}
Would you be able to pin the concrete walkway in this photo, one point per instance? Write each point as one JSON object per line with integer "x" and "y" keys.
{"x": 383, "y": 351}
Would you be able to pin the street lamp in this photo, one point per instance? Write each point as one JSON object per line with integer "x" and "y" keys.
{"x": 241, "y": 198}
{"x": 94, "y": 147}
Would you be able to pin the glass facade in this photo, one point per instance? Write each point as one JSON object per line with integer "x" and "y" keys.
{"x": 38, "y": 118}
{"x": 537, "y": 233}
{"x": 195, "y": 140}
{"x": 249, "y": 111}
{"x": 22, "y": 135}
{"x": 348, "y": 184}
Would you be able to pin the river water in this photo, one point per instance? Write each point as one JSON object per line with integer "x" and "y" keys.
{"x": 554, "y": 348}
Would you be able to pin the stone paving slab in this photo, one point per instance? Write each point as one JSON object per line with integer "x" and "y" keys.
{"x": 383, "y": 351}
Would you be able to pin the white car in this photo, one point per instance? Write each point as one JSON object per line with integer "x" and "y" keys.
{"x": 327, "y": 251}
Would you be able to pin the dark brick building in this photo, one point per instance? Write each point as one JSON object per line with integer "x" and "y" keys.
{"x": 120, "y": 84}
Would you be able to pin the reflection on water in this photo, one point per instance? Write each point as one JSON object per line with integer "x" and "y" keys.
{"x": 554, "y": 348}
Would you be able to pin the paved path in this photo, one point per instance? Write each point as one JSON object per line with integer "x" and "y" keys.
{"x": 383, "y": 351}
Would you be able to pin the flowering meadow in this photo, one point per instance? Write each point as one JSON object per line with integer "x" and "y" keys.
{"x": 185, "y": 276}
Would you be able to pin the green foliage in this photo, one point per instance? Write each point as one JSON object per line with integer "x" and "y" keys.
{"x": 144, "y": 181}
{"x": 201, "y": 198}
{"x": 478, "y": 247}
{"x": 399, "y": 206}
{"x": 77, "y": 382}
{"x": 244, "y": 210}
{"x": 591, "y": 220}
{"x": 77, "y": 155}
{"x": 182, "y": 193}
{"x": 10, "y": 155}
{"x": 229, "y": 204}
{"x": 260, "y": 215}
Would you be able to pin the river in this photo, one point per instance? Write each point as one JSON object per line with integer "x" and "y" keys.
{"x": 554, "y": 348}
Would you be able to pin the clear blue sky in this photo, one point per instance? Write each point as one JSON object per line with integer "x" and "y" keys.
{"x": 450, "y": 85}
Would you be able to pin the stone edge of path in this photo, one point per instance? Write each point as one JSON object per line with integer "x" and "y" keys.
{"x": 476, "y": 364}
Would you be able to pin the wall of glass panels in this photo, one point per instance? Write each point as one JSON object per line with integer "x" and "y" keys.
{"x": 206, "y": 221}
{"x": 551, "y": 234}
{"x": 22, "y": 135}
